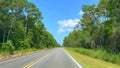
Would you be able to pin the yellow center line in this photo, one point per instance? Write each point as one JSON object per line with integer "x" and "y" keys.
{"x": 35, "y": 62}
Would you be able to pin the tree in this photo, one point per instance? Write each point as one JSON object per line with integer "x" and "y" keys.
{"x": 99, "y": 27}
{"x": 21, "y": 26}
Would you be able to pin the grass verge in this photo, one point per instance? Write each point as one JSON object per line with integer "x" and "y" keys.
{"x": 20, "y": 53}
{"x": 88, "y": 62}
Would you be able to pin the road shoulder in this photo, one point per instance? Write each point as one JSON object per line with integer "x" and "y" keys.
{"x": 2, "y": 58}
{"x": 73, "y": 59}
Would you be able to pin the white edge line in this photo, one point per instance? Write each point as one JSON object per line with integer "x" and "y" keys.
{"x": 73, "y": 59}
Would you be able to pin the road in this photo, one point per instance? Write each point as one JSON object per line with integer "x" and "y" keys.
{"x": 54, "y": 58}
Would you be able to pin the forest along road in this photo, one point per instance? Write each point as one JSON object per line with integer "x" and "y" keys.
{"x": 54, "y": 58}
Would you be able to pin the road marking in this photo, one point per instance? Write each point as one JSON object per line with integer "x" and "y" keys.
{"x": 73, "y": 59}
{"x": 35, "y": 62}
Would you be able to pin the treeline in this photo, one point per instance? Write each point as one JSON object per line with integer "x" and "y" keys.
{"x": 98, "y": 28}
{"x": 21, "y": 27}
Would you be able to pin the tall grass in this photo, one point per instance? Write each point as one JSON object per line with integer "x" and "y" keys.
{"x": 20, "y": 52}
{"x": 100, "y": 54}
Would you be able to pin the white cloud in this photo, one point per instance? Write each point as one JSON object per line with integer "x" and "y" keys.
{"x": 67, "y": 25}
{"x": 81, "y": 13}
{"x": 61, "y": 30}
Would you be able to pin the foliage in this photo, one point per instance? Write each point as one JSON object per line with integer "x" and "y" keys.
{"x": 8, "y": 47}
{"x": 99, "y": 27}
{"x": 21, "y": 27}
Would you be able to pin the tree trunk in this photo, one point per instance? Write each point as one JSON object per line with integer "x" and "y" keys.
{"x": 4, "y": 36}
{"x": 25, "y": 36}
{"x": 9, "y": 31}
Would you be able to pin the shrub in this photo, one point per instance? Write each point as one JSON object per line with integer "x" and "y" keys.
{"x": 24, "y": 45}
{"x": 8, "y": 48}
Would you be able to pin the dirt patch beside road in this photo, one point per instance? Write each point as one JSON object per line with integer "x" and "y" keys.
{"x": 3, "y": 58}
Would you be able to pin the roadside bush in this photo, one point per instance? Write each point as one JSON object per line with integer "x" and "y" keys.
{"x": 41, "y": 46}
{"x": 0, "y": 46}
{"x": 24, "y": 45}
{"x": 8, "y": 48}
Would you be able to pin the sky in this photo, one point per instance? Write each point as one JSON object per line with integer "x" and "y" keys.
{"x": 60, "y": 16}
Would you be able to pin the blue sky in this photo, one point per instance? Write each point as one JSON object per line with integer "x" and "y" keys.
{"x": 60, "y": 16}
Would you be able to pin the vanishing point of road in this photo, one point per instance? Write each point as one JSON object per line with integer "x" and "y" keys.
{"x": 54, "y": 58}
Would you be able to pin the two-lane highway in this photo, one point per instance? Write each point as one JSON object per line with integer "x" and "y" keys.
{"x": 55, "y": 58}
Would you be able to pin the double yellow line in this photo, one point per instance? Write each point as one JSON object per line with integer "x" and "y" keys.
{"x": 35, "y": 62}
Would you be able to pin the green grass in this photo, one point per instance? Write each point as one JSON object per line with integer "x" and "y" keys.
{"x": 89, "y": 62}
{"x": 22, "y": 51}
{"x": 100, "y": 54}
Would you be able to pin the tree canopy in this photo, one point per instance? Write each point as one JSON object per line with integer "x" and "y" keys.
{"x": 99, "y": 27}
{"x": 21, "y": 26}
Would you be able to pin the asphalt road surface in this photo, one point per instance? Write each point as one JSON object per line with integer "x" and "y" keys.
{"x": 54, "y": 58}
